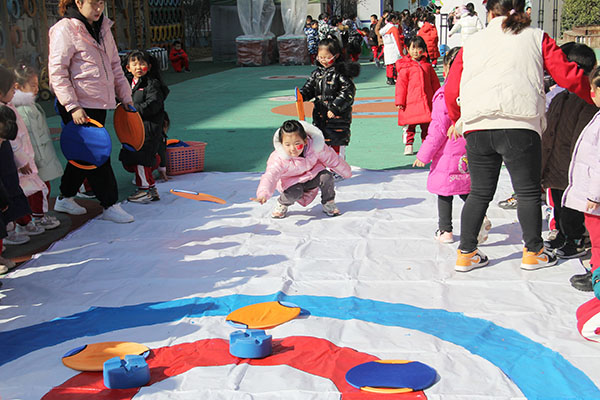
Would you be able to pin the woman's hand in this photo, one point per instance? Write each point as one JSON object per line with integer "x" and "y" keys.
{"x": 418, "y": 163}
{"x": 79, "y": 116}
{"x": 260, "y": 200}
{"x": 25, "y": 170}
{"x": 591, "y": 206}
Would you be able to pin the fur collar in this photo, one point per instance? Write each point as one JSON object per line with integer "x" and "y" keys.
{"x": 23, "y": 99}
{"x": 317, "y": 143}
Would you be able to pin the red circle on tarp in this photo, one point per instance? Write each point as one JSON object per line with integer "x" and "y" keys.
{"x": 385, "y": 105}
{"x": 312, "y": 355}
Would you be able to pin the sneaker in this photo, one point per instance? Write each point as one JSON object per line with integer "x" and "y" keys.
{"x": 408, "y": 150}
{"x": 15, "y": 239}
{"x": 69, "y": 206}
{"x": 390, "y": 81}
{"x": 3, "y": 269}
{"x": 550, "y": 239}
{"x": 116, "y": 214}
{"x": 6, "y": 263}
{"x": 444, "y": 237}
{"x": 337, "y": 177}
{"x": 331, "y": 209}
{"x": 86, "y": 195}
{"x": 140, "y": 196}
{"x": 572, "y": 249}
{"x": 582, "y": 282}
{"x": 279, "y": 211}
{"x": 536, "y": 260}
{"x": 486, "y": 225}
{"x": 31, "y": 229}
{"x": 509, "y": 204}
{"x": 466, "y": 262}
{"x": 46, "y": 222}
{"x": 153, "y": 191}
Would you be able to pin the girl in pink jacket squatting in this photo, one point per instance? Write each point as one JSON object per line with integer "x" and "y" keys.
{"x": 297, "y": 169}
{"x": 448, "y": 175}
{"x": 583, "y": 192}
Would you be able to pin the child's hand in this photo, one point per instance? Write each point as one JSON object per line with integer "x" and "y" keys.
{"x": 330, "y": 114}
{"x": 400, "y": 107}
{"x": 453, "y": 133}
{"x": 260, "y": 200}
{"x": 26, "y": 170}
{"x": 591, "y": 206}
{"x": 418, "y": 163}
{"x": 162, "y": 172}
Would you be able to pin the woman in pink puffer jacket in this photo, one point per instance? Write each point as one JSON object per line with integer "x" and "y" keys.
{"x": 297, "y": 169}
{"x": 86, "y": 76}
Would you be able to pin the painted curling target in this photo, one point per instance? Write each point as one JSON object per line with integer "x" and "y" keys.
{"x": 363, "y": 107}
{"x": 536, "y": 370}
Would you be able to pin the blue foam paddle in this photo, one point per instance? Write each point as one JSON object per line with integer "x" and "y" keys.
{"x": 397, "y": 375}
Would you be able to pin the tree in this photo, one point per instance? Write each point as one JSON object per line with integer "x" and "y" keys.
{"x": 580, "y": 13}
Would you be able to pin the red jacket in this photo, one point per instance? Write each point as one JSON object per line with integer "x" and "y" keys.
{"x": 175, "y": 54}
{"x": 415, "y": 86}
{"x": 430, "y": 35}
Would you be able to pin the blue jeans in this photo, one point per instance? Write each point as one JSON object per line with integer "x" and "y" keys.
{"x": 520, "y": 150}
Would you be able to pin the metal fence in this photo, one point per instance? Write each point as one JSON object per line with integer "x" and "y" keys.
{"x": 197, "y": 23}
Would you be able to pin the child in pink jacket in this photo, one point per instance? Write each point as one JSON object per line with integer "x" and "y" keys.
{"x": 298, "y": 168}
{"x": 448, "y": 175}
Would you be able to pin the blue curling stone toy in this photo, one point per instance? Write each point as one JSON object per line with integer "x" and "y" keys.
{"x": 90, "y": 144}
{"x": 252, "y": 343}
{"x": 131, "y": 372}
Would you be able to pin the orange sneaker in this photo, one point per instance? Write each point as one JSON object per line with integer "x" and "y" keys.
{"x": 536, "y": 260}
{"x": 466, "y": 262}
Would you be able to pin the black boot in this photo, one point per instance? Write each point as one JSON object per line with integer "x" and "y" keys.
{"x": 582, "y": 282}
{"x": 391, "y": 81}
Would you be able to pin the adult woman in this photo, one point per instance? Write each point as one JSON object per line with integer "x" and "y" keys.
{"x": 86, "y": 76}
{"x": 468, "y": 24}
{"x": 499, "y": 77}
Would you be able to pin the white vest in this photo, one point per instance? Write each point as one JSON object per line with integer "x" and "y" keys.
{"x": 502, "y": 80}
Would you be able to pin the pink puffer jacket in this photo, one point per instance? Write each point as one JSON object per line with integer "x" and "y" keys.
{"x": 449, "y": 169}
{"x": 284, "y": 171}
{"x": 82, "y": 72}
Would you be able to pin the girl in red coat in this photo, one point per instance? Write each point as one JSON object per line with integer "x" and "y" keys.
{"x": 415, "y": 86}
{"x": 430, "y": 35}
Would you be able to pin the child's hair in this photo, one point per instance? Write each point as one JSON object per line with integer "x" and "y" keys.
{"x": 291, "y": 126}
{"x": 23, "y": 73}
{"x": 418, "y": 42}
{"x": 332, "y": 45}
{"x": 176, "y": 42}
{"x": 7, "y": 80}
{"x": 8, "y": 123}
{"x": 451, "y": 55}
{"x": 514, "y": 10}
{"x": 470, "y": 8}
{"x": 430, "y": 18}
{"x": 349, "y": 69}
{"x": 64, "y": 4}
{"x": 153, "y": 71}
{"x": 595, "y": 77}
{"x": 314, "y": 22}
{"x": 391, "y": 17}
{"x": 374, "y": 15}
{"x": 583, "y": 55}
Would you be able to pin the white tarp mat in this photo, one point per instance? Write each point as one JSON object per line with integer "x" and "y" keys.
{"x": 373, "y": 279}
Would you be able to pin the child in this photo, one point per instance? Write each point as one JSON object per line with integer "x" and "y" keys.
{"x": 567, "y": 116}
{"x": 332, "y": 88}
{"x": 393, "y": 47}
{"x": 312, "y": 39}
{"x": 583, "y": 191}
{"x": 416, "y": 84}
{"x": 373, "y": 41}
{"x": 46, "y": 161}
{"x": 29, "y": 180}
{"x": 148, "y": 93}
{"x": 297, "y": 168}
{"x": 179, "y": 58}
{"x": 430, "y": 35}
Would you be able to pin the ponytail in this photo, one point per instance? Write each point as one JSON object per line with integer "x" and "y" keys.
{"x": 514, "y": 10}
{"x": 64, "y": 4}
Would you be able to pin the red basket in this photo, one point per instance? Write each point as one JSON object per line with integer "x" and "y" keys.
{"x": 183, "y": 160}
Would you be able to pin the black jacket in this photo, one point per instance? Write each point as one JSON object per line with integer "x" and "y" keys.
{"x": 333, "y": 90}
{"x": 11, "y": 193}
{"x": 148, "y": 98}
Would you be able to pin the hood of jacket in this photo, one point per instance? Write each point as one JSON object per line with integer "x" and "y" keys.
{"x": 386, "y": 28}
{"x": 95, "y": 28}
{"x": 315, "y": 145}
{"x": 23, "y": 99}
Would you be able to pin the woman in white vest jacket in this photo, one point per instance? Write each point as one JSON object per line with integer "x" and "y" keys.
{"x": 468, "y": 24}
{"x": 495, "y": 96}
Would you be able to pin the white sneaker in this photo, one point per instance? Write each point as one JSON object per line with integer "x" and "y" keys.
{"x": 31, "y": 229}
{"x": 279, "y": 211}
{"x": 46, "y": 222}
{"x": 15, "y": 239}
{"x": 444, "y": 237}
{"x": 116, "y": 214}
{"x": 3, "y": 269}
{"x": 7, "y": 264}
{"x": 69, "y": 206}
{"x": 408, "y": 150}
{"x": 486, "y": 225}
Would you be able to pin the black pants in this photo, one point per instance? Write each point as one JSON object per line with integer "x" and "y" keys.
{"x": 323, "y": 180}
{"x": 445, "y": 211}
{"x": 520, "y": 150}
{"x": 570, "y": 223}
{"x": 101, "y": 179}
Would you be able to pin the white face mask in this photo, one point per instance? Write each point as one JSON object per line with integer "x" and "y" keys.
{"x": 421, "y": 23}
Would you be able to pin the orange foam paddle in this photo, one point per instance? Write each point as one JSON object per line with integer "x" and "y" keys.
{"x": 299, "y": 105}
{"x": 129, "y": 128}
{"x": 263, "y": 315}
{"x": 91, "y": 357}
{"x": 188, "y": 194}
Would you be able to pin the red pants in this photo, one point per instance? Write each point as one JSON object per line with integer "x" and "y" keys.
{"x": 39, "y": 202}
{"x": 377, "y": 52}
{"x": 143, "y": 175}
{"x": 410, "y": 132}
{"x": 390, "y": 71}
{"x": 24, "y": 220}
{"x": 592, "y": 223}
{"x": 550, "y": 202}
{"x": 180, "y": 63}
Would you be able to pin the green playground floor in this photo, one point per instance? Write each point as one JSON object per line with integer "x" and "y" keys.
{"x": 230, "y": 110}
